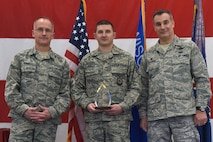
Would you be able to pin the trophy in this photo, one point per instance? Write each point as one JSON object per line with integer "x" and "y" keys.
{"x": 103, "y": 97}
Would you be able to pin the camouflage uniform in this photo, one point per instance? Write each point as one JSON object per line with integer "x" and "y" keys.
{"x": 32, "y": 80}
{"x": 167, "y": 80}
{"x": 118, "y": 70}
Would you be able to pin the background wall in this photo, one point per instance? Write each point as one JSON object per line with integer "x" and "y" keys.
{"x": 17, "y": 18}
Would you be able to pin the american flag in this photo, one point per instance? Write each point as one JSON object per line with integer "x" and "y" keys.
{"x": 78, "y": 39}
{"x": 78, "y": 48}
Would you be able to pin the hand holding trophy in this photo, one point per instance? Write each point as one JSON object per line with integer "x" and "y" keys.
{"x": 103, "y": 97}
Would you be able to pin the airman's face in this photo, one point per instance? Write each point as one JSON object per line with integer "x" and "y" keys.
{"x": 43, "y": 32}
{"x": 104, "y": 35}
{"x": 164, "y": 25}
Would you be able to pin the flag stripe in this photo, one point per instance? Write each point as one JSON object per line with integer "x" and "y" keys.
{"x": 19, "y": 25}
{"x": 16, "y": 28}
{"x": 72, "y": 57}
{"x": 73, "y": 124}
{"x": 78, "y": 49}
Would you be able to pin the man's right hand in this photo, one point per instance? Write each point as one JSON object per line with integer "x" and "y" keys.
{"x": 91, "y": 108}
{"x": 144, "y": 124}
{"x": 33, "y": 114}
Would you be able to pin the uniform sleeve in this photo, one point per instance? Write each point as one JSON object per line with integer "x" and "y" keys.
{"x": 78, "y": 89}
{"x": 201, "y": 77}
{"x": 13, "y": 97}
{"x": 63, "y": 99}
{"x": 133, "y": 91}
{"x": 142, "y": 105}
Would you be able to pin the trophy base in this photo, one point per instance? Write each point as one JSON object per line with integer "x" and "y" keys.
{"x": 103, "y": 108}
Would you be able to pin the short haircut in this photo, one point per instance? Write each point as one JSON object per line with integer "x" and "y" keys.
{"x": 162, "y": 11}
{"x": 104, "y": 22}
{"x": 45, "y": 18}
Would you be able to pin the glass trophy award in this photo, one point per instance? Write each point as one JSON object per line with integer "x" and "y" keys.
{"x": 103, "y": 97}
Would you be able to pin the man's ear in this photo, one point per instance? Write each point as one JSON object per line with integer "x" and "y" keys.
{"x": 173, "y": 22}
{"x": 94, "y": 34}
{"x": 53, "y": 35}
{"x": 114, "y": 34}
{"x": 33, "y": 33}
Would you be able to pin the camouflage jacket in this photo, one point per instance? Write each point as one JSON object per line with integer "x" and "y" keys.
{"x": 167, "y": 80}
{"x": 118, "y": 71}
{"x": 33, "y": 79}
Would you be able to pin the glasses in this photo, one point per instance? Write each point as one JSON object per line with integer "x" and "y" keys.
{"x": 41, "y": 30}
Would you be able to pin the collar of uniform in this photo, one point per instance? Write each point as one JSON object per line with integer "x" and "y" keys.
{"x": 34, "y": 52}
{"x": 175, "y": 40}
{"x": 175, "y": 43}
{"x": 115, "y": 50}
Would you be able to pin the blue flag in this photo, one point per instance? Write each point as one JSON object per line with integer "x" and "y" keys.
{"x": 198, "y": 36}
{"x": 136, "y": 133}
{"x": 140, "y": 37}
{"x": 198, "y": 33}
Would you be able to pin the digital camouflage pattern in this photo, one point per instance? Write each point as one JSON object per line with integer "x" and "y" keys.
{"x": 34, "y": 79}
{"x": 118, "y": 71}
{"x": 184, "y": 130}
{"x": 117, "y": 131}
{"x": 28, "y": 131}
{"x": 167, "y": 80}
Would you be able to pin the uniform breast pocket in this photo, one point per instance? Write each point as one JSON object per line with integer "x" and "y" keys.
{"x": 91, "y": 74}
{"x": 181, "y": 59}
{"x": 28, "y": 72}
{"x": 119, "y": 76}
{"x": 153, "y": 68}
{"x": 54, "y": 78}
{"x": 181, "y": 64}
{"x": 93, "y": 78}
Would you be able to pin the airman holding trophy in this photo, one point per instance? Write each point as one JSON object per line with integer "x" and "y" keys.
{"x": 106, "y": 86}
